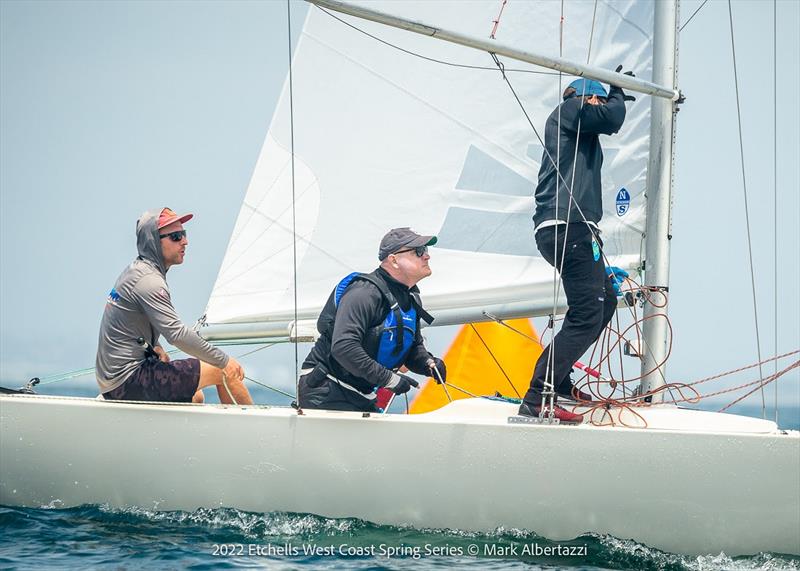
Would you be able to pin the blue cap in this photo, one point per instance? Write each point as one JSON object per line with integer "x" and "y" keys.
{"x": 588, "y": 87}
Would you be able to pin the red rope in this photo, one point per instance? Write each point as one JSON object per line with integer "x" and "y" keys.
{"x": 612, "y": 338}
{"x": 497, "y": 21}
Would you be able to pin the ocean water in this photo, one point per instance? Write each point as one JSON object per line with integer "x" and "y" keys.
{"x": 97, "y": 537}
{"x": 100, "y": 537}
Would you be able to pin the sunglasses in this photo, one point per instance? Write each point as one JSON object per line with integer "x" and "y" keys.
{"x": 176, "y": 236}
{"x": 419, "y": 251}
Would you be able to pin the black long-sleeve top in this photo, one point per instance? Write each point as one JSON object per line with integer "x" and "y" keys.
{"x": 348, "y": 352}
{"x": 590, "y": 121}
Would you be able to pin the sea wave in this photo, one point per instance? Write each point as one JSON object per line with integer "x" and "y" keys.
{"x": 106, "y": 537}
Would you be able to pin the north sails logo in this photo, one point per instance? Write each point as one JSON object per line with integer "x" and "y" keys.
{"x": 623, "y": 201}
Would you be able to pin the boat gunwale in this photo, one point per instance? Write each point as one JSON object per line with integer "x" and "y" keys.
{"x": 437, "y": 417}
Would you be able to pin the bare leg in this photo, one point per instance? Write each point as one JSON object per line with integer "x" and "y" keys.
{"x": 211, "y": 375}
{"x": 199, "y": 397}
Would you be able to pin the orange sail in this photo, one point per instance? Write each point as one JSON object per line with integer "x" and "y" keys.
{"x": 471, "y": 366}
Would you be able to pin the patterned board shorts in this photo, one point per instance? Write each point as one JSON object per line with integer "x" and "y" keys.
{"x": 175, "y": 381}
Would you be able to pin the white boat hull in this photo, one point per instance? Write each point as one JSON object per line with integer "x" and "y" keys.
{"x": 715, "y": 483}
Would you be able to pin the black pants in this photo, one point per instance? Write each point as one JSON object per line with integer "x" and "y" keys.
{"x": 317, "y": 391}
{"x": 590, "y": 297}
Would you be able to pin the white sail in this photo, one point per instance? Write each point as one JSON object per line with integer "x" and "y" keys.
{"x": 384, "y": 139}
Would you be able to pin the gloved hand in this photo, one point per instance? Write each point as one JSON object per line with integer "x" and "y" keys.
{"x": 626, "y": 97}
{"x": 617, "y": 277}
{"x": 400, "y": 384}
{"x": 436, "y": 365}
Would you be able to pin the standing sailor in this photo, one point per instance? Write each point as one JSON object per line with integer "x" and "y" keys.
{"x": 369, "y": 328}
{"x": 568, "y": 210}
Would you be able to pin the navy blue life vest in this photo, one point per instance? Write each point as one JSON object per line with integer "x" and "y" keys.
{"x": 399, "y": 328}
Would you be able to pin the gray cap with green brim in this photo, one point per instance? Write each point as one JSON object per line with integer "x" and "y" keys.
{"x": 402, "y": 238}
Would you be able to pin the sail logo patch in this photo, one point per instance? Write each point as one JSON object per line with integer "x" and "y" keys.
{"x": 623, "y": 201}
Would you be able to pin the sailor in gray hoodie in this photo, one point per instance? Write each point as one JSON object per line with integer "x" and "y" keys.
{"x": 131, "y": 364}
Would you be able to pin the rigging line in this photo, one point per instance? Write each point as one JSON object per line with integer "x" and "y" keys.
{"x": 623, "y": 382}
{"x": 571, "y": 187}
{"x": 500, "y": 225}
{"x": 549, "y": 373}
{"x": 514, "y": 329}
{"x": 746, "y": 210}
{"x": 463, "y": 65}
{"x": 427, "y": 58}
{"x": 294, "y": 205}
{"x": 775, "y": 180}
{"x": 559, "y": 176}
{"x": 89, "y": 370}
{"x": 776, "y": 358}
{"x": 466, "y": 392}
{"x": 736, "y": 388}
{"x": 547, "y": 154}
{"x": 266, "y": 386}
{"x": 620, "y": 357}
{"x": 497, "y": 21}
{"x": 471, "y": 67}
{"x": 513, "y": 388}
{"x": 57, "y": 378}
{"x": 591, "y": 33}
{"x": 550, "y": 368}
{"x": 66, "y": 376}
{"x": 265, "y": 346}
{"x": 763, "y": 382}
{"x": 501, "y": 67}
{"x": 572, "y": 201}
{"x": 692, "y": 16}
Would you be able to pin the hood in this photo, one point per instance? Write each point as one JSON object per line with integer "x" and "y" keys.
{"x": 147, "y": 241}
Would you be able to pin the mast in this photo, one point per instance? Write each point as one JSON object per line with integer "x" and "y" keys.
{"x": 658, "y": 231}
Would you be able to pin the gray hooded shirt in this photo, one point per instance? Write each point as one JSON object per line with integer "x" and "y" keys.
{"x": 139, "y": 305}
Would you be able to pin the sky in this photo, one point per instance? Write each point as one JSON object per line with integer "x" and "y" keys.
{"x": 110, "y": 108}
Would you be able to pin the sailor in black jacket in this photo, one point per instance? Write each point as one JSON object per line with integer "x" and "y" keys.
{"x": 369, "y": 328}
{"x": 577, "y": 120}
{"x": 568, "y": 208}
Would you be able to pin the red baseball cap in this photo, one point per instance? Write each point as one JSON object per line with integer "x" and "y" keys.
{"x": 167, "y": 217}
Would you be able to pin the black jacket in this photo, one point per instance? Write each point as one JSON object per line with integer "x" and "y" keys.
{"x": 348, "y": 352}
{"x": 592, "y": 120}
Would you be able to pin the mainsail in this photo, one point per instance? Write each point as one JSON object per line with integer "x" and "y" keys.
{"x": 383, "y": 138}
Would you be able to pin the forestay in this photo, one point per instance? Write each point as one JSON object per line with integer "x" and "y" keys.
{"x": 384, "y": 139}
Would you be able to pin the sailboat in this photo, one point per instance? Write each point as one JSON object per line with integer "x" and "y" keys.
{"x": 366, "y": 138}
